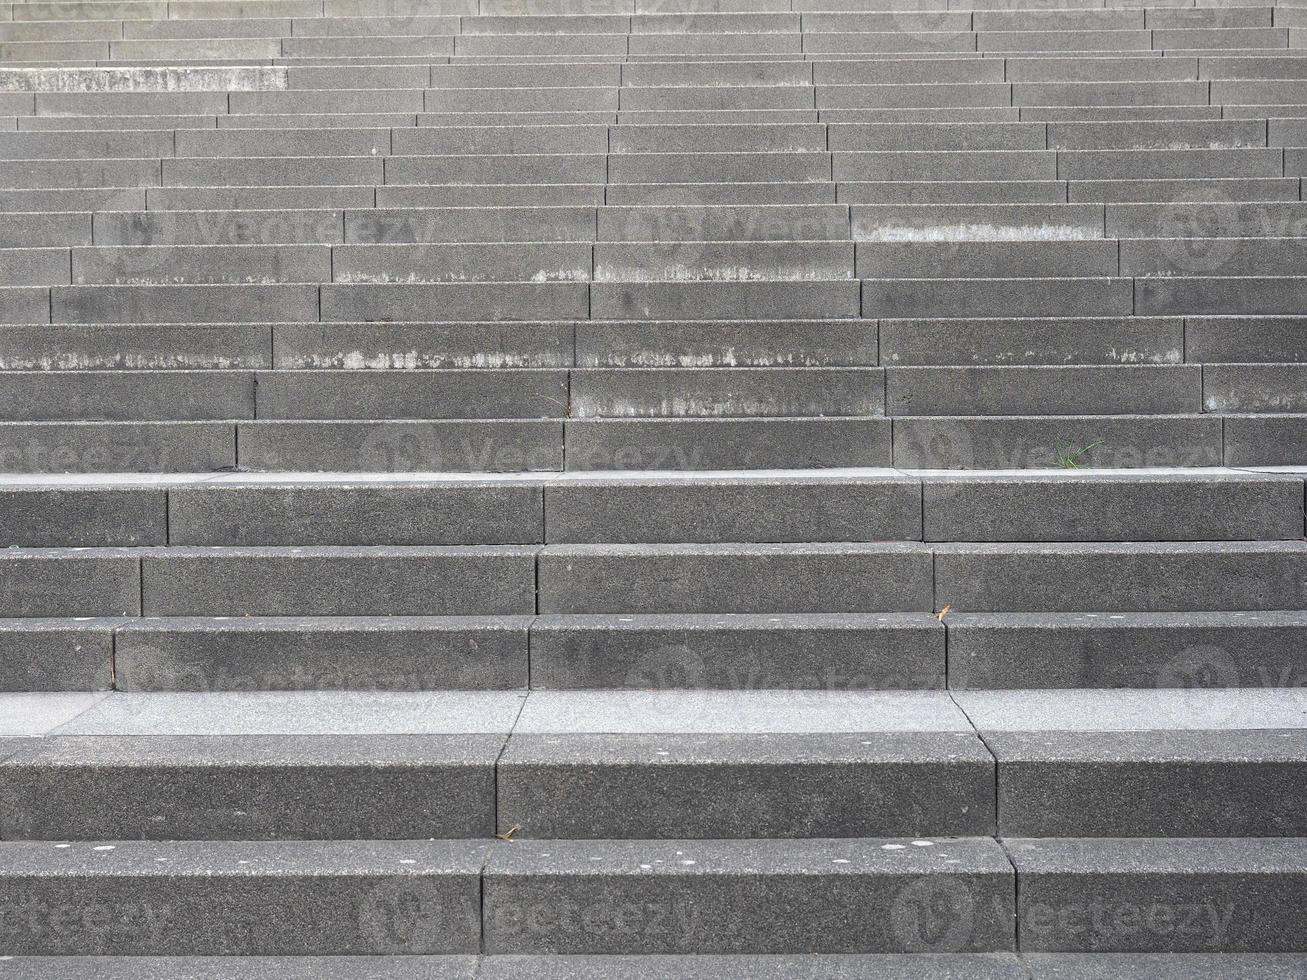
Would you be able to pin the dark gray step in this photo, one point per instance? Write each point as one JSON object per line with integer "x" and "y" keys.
{"x": 738, "y": 651}
{"x": 1144, "y": 784}
{"x": 759, "y": 896}
{"x": 1135, "y": 577}
{"x": 727, "y": 786}
{"x": 348, "y": 653}
{"x": 1142, "y": 650}
{"x": 250, "y": 788}
{"x": 796, "y": 966}
{"x": 891, "y": 577}
{"x": 1225, "y": 895}
{"x": 1072, "y": 507}
{"x": 57, "y": 654}
{"x": 1023, "y": 442}
{"x": 338, "y": 897}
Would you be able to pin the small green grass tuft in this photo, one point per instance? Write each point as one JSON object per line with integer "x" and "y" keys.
{"x": 1070, "y": 459}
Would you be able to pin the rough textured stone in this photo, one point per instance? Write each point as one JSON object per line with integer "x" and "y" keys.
{"x": 255, "y": 788}
{"x": 274, "y": 897}
{"x": 744, "y": 896}
{"x": 1158, "y": 895}
{"x": 683, "y": 786}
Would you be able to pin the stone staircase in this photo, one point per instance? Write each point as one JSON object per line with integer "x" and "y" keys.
{"x": 667, "y": 489}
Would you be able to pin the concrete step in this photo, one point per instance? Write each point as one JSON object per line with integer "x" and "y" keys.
{"x": 518, "y": 878}
{"x": 1144, "y": 650}
{"x": 898, "y": 966}
{"x": 1210, "y": 880}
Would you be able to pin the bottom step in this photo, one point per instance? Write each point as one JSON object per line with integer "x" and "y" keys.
{"x": 798, "y": 966}
{"x": 905, "y": 895}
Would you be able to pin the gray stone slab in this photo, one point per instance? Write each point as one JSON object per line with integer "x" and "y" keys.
{"x": 1149, "y": 784}
{"x": 56, "y": 654}
{"x": 1220, "y": 295}
{"x": 770, "y": 966}
{"x": 51, "y": 582}
{"x": 876, "y": 165}
{"x": 459, "y": 446}
{"x": 728, "y": 343}
{"x": 937, "y": 136}
{"x": 226, "y": 303}
{"x": 1155, "y": 164}
{"x": 912, "y": 223}
{"x": 1253, "y": 388}
{"x": 927, "y": 95}
{"x": 339, "y": 581}
{"x": 737, "y": 392}
{"x": 352, "y": 713}
{"x": 982, "y": 259}
{"x": 25, "y": 267}
{"x": 268, "y": 198}
{"x": 24, "y": 304}
{"x": 1200, "y": 256}
{"x": 463, "y": 262}
{"x": 738, "y": 652}
{"x": 891, "y": 577}
{"x": 959, "y": 442}
{"x": 130, "y": 103}
{"x": 453, "y": 394}
{"x": 725, "y": 443}
{"x": 1183, "y": 895}
{"x": 275, "y": 897}
{"x": 1141, "y": 650}
{"x": 263, "y": 171}
{"x": 708, "y": 223}
{"x": 445, "y": 967}
{"x": 1137, "y": 966}
{"x": 42, "y": 396}
{"x": 1190, "y": 709}
{"x": 1127, "y": 577}
{"x": 540, "y": 344}
{"x": 738, "y": 712}
{"x": 27, "y": 230}
{"x": 724, "y": 300}
{"x": 114, "y": 447}
{"x": 1074, "y": 507}
{"x": 723, "y": 193}
{"x": 1167, "y": 191}
{"x": 686, "y": 509}
{"x": 1048, "y": 297}
{"x": 352, "y": 303}
{"x": 1112, "y": 93}
{"x": 738, "y": 896}
{"x": 99, "y": 145}
{"x": 489, "y": 195}
{"x": 1261, "y": 440}
{"x": 1168, "y": 135}
{"x": 51, "y": 517}
{"x": 515, "y": 168}
{"x": 1052, "y": 341}
{"x": 1030, "y": 390}
{"x": 178, "y": 264}
{"x": 80, "y": 173}
{"x": 738, "y": 786}
{"x": 251, "y": 653}
{"x": 277, "y": 787}
{"x": 23, "y": 715}
{"x": 302, "y": 514}
{"x": 742, "y": 167}
{"x": 901, "y": 70}
{"x": 535, "y": 224}
{"x": 172, "y": 228}
{"x": 1207, "y": 216}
